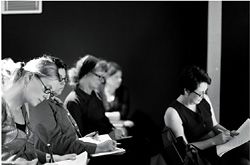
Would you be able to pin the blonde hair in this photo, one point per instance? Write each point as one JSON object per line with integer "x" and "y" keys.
{"x": 44, "y": 66}
{"x": 10, "y": 72}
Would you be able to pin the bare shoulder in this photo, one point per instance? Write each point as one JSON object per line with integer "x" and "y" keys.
{"x": 171, "y": 116}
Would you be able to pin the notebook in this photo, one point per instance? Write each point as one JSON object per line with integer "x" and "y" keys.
{"x": 243, "y": 137}
{"x": 80, "y": 159}
{"x": 99, "y": 139}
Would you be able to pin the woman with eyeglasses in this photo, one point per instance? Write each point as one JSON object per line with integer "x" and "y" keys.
{"x": 53, "y": 124}
{"x": 24, "y": 85}
{"x": 192, "y": 117}
{"x": 84, "y": 102}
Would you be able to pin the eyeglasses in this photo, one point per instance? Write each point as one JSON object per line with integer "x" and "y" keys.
{"x": 60, "y": 79}
{"x": 60, "y": 65}
{"x": 198, "y": 94}
{"x": 46, "y": 89}
{"x": 99, "y": 76}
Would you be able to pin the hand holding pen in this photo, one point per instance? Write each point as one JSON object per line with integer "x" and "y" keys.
{"x": 231, "y": 133}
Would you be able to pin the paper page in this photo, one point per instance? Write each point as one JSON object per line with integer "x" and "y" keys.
{"x": 238, "y": 140}
{"x": 96, "y": 139}
{"x": 81, "y": 159}
{"x": 116, "y": 151}
{"x": 99, "y": 139}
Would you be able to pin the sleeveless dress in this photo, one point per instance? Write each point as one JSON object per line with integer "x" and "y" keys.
{"x": 196, "y": 125}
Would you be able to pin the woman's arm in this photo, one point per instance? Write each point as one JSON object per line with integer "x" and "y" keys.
{"x": 217, "y": 127}
{"x": 174, "y": 122}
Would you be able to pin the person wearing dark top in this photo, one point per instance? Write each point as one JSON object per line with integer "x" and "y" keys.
{"x": 53, "y": 124}
{"x": 191, "y": 116}
{"x": 115, "y": 95}
{"x": 84, "y": 102}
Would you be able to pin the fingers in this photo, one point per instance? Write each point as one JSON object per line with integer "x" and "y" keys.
{"x": 112, "y": 145}
{"x": 234, "y": 133}
{"x": 92, "y": 134}
{"x": 68, "y": 157}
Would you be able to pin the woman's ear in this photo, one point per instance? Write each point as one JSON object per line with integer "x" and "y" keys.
{"x": 28, "y": 77}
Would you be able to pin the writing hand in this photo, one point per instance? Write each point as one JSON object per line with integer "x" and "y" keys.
{"x": 64, "y": 157}
{"x": 234, "y": 133}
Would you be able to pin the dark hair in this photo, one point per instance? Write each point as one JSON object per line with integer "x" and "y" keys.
{"x": 82, "y": 67}
{"x": 191, "y": 77}
{"x": 113, "y": 67}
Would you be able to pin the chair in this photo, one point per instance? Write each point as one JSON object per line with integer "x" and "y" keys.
{"x": 173, "y": 148}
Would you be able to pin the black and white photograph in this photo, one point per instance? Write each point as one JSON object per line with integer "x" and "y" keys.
{"x": 125, "y": 82}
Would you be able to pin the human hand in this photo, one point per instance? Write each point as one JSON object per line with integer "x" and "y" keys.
{"x": 234, "y": 133}
{"x": 58, "y": 158}
{"x": 222, "y": 138}
{"x": 108, "y": 145}
{"x": 21, "y": 161}
{"x": 92, "y": 134}
{"x": 118, "y": 134}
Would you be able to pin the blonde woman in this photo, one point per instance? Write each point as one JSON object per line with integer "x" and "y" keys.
{"x": 24, "y": 84}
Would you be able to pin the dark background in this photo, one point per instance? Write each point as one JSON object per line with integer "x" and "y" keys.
{"x": 152, "y": 41}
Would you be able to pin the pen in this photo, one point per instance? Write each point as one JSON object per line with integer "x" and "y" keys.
{"x": 220, "y": 130}
{"x": 224, "y": 131}
{"x": 51, "y": 154}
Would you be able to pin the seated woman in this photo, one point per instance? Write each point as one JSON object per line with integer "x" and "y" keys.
{"x": 53, "y": 124}
{"x": 115, "y": 96}
{"x": 191, "y": 116}
{"x": 84, "y": 102}
{"x": 20, "y": 85}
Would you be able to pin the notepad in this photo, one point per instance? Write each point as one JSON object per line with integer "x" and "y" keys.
{"x": 80, "y": 159}
{"x": 243, "y": 137}
{"x": 99, "y": 139}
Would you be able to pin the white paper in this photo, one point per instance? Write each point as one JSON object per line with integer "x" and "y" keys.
{"x": 81, "y": 159}
{"x": 99, "y": 139}
{"x": 243, "y": 137}
{"x": 96, "y": 139}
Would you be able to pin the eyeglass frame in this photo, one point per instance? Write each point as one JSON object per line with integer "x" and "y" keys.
{"x": 99, "y": 76}
{"x": 46, "y": 89}
{"x": 200, "y": 95}
{"x": 60, "y": 79}
{"x": 60, "y": 65}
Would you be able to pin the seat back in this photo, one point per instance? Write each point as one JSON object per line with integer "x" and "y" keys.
{"x": 171, "y": 147}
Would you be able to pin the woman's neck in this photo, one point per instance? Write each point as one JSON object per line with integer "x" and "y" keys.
{"x": 186, "y": 102}
{"x": 86, "y": 88}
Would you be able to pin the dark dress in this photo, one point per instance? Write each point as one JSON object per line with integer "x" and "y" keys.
{"x": 88, "y": 112}
{"x": 198, "y": 124}
{"x": 52, "y": 123}
{"x": 120, "y": 103}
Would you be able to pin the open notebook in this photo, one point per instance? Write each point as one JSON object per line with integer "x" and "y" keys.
{"x": 81, "y": 159}
{"x": 243, "y": 137}
{"x": 99, "y": 139}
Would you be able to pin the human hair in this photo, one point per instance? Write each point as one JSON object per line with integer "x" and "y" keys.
{"x": 191, "y": 77}
{"x": 101, "y": 66}
{"x": 113, "y": 67}
{"x": 10, "y": 72}
{"x": 82, "y": 67}
{"x": 45, "y": 66}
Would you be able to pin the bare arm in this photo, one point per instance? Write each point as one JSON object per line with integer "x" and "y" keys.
{"x": 173, "y": 121}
